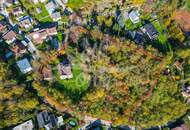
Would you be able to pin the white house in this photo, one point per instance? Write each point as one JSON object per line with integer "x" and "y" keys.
{"x": 134, "y": 16}
{"x": 28, "y": 125}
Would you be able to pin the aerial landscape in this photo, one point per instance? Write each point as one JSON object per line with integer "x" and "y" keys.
{"x": 95, "y": 64}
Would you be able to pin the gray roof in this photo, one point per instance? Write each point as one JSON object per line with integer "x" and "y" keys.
{"x": 134, "y": 16}
{"x": 24, "y": 65}
{"x": 150, "y": 30}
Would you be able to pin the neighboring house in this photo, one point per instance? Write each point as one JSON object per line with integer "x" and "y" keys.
{"x": 17, "y": 11}
{"x": 37, "y": 1}
{"x": 24, "y": 66}
{"x": 134, "y": 16}
{"x": 121, "y": 21}
{"x": 40, "y": 35}
{"x": 9, "y": 2}
{"x": 28, "y": 125}
{"x": 48, "y": 121}
{"x": 181, "y": 127}
{"x": 56, "y": 16}
{"x": 50, "y": 7}
{"x": 38, "y": 10}
{"x": 3, "y": 28}
{"x": 137, "y": 36}
{"x": 25, "y": 22}
{"x": 186, "y": 91}
{"x": 18, "y": 48}
{"x": 150, "y": 31}
{"x": 61, "y": 3}
{"x": 64, "y": 69}
{"x": 27, "y": 42}
{"x": 9, "y": 37}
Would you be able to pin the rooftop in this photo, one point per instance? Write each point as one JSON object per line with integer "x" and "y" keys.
{"x": 24, "y": 65}
{"x": 28, "y": 125}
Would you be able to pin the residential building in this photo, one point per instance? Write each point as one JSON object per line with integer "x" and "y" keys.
{"x": 38, "y": 10}
{"x": 25, "y": 22}
{"x": 186, "y": 91}
{"x": 62, "y": 3}
{"x": 134, "y": 16}
{"x": 56, "y": 16}
{"x": 35, "y": 1}
{"x": 9, "y": 2}
{"x": 28, "y": 125}
{"x": 64, "y": 69}
{"x": 24, "y": 66}
{"x": 40, "y": 35}
{"x": 48, "y": 120}
{"x": 150, "y": 31}
{"x": 181, "y": 127}
{"x": 17, "y": 11}
{"x": 50, "y": 7}
{"x": 9, "y": 37}
{"x": 18, "y": 48}
{"x": 3, "y": 28}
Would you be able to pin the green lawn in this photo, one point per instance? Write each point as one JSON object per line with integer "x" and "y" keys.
{"x": 75, "y": 4}
{"x": 78, "y": 82}
{"x": 43, "y": 16}
{"x": 131, "y": 26}
{"x": 75, "y": 87}
{"x": 162, "y": 38}
{"x": 188, "y": 4}
{"x": 60, "y": 37}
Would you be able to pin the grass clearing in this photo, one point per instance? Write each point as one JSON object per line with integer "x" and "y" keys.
{"x": 75, "y": 4}
{"x": 162, "y": 38}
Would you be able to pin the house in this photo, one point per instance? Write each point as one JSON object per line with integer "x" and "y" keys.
{"x": 181, "y": 127}
{"x": 134, "y": 16}
{"x": 3, "y": 27}
{"x": 25, "y": 22}
{"x": 40, "y": 35}
{"x": 37, "y": 1}
{"x": 38, "y": 10}
{"x": 24, "y": 66}
{"x": 17, "y": 11}
{"x": 9, "y": 2}
{"x": 47, "y": 73}
{"x": 64, "y": 69}
{"x": 56, "y": 16}
{"x": 137, "y": 36}
{"x": 28, "y": 125}
{"x": 186, "y": 91}
{"x": 62, "y": 3}
{"x": 150, "y": 31}
{"x": 9, "y": 37}
{"x": 18, "y": 48}
{"x": 48, "y": 120}
{"x": 50, "y": 7}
